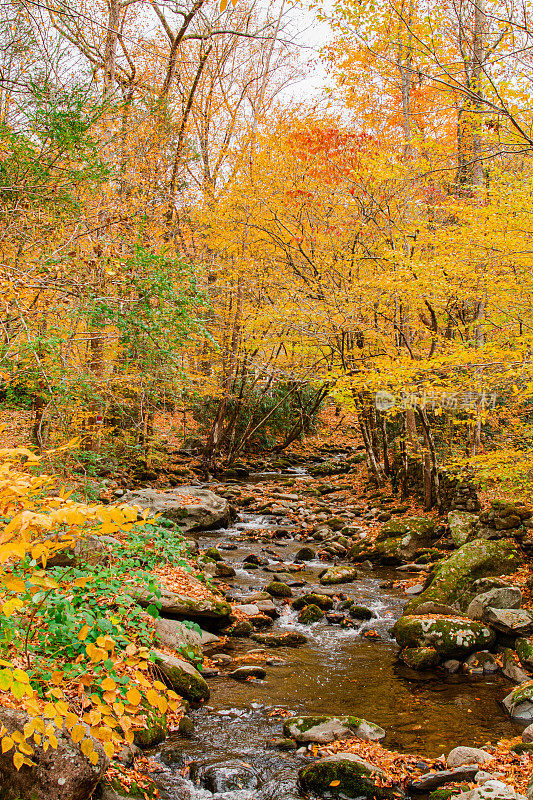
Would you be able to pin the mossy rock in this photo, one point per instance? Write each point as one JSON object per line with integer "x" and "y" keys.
{"x": 524, "y": 651}
{"x": 341, "y": 574}
{"x": 310, "y": 614}
{"x": 446, "y": 792}
{"x": 449, "y": 636}
{"x": 453, "y": 577}
{"x": 361, "y": 612}
{"x": 325, "y": 729}
{"x": 420, "y": 657}
{"x": 289, "y": 639}
{"x": 155, "y": 729}
{"x": 352, "y": 777}
{"x": 279, "y": 589}
{"x": 320, "y": 600}
{"x": 461, "y": 525}
{"x": 522, "y": 747}
{"x": 213, "y": 553}
{"x": 419, "y": 527}
{"x": 183, "y": 677}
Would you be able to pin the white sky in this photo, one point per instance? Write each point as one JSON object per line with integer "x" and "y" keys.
{"x": 312, "y": 35}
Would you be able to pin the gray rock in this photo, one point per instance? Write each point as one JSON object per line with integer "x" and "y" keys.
{"x": 512, "y": 621}
{"x": 527, "y": 734}
{"x": 184, "y": 678}
{"x": 519, "y": 702}
{"x": 503, "y": 597}
{"x": 248, "y": 608}
{"x": 243, "y": 673}
{"x": 461, "y": 526}
{"x": 491, "y": 790}
{"x": 176, "y": 636}
{"x": 432, "y": 780}
{"x": 62, "y": 774}
{"x": 335, "y": 575}
{"x": 207, "y": 510}
{"x": 325, "y": 729}
{"x": 466, "y": 755}
{"x": 511, "y": 667}
{"x": 185, "y": 607}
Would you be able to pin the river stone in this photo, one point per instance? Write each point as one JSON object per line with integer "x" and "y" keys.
{"x": 420, "y": 657}
{"x": 432, "y": 780}
{"x": 511, "y": 666}
{"x": 62, "y": 774}
{"x": 450, "y": 636}
{"x": 228, "y": 777}
{"x": 512, "y": 621}
{"x": 290, "y": 639}
{"x": 310, "y": 614}
{"x": 305, "y": 554}
{"x": 454, "y": 576}
{"x": 325, "y": 729}
{"x": 248, "y": 608}
{"x": 501, "y": 597}
{"x": 357, "y": 778}
{"x": 176, "y": 636}
{"x": 183, "y": 677}
{"x": 322, "y": 601}
{"x": 466, "y": 755}
{"x": 519, "y": 702}
{"x": 524, "y": 651}
{"x": 243, "y": 673}
{"x": 361, "y": 612}
{"x": 527, "y": 734}
{"x": 193, "y": 508}
{"x": 176, "y": 605}
{"x": 243, "y": 627}
{"x": 279, "y": 589}
{"x": 490, "y": 790}
{"x": 341, "y": 574}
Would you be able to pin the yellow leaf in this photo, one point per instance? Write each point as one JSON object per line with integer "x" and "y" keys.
{"x": 335, "y": 783}
{"x": 82, "y": 634}
{"x": 87, "y": 747}
{"x": 93, "y": 757}
{"x": 7, "y": 743}
{"x": 108, "y": 684}
{"x": 77, "y": 733}
{"x": 133, "y": 696}
{"x": 18, "y": 760}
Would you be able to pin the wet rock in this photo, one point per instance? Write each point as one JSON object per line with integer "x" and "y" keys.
{"x": 432, "y": 780}
{"x": 243, "y": 673}
{"x": 309, "y": 614}
{"x": 466, "y": 755}
{"x": 186, "y": 727}
{"x": 500, "y": 597}
{"x": 242, "y": 627}
{"x": 183, "y": 677}
{"x": 261, "y": 621}
{"x": 290, "y": 639}
{"x": 461, "y": 524}
{"x": 454, "y": 576}
{"x": 481, "y": 663}
{"x": 229, "y": 777}
{"x": 224, "y": 570}
{"x": 519, "y": 702}
{"x": 305, "y": 554}
{"x": 511, "y": 621}
{"x": 62, "y": 774}
{"x": 211, "y": 609}
{"x": 325, "y": 729}
{"x": 452, "y": 666}
{"x": 279, "y": 589}
{"x": 213, "y": 553}
{"x": 341, "y": 574}
{"x": 207, "y": 510}
{"x": 155, "y": 728}
{"x": 511, "y": 667}
{"x": 450, "y": 636}
{"x": 524, "y": 651}
{"x": 420, "y": 657}
{"x": 322, "y": 601}
{"x": 284, "y": 744}
{"x": 361, "y": 612}
{"x": 356, "y": 777}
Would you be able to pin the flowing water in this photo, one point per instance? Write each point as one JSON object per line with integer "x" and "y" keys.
{"x": 338, "y": 671}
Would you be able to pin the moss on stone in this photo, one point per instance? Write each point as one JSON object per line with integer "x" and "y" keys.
{"x": 310, "y": 614}
{"x": 354, "y": 777}
{"x": 320, "y": 600}
{"x": 449, "y": 636}
{"x": 279, "y": 589}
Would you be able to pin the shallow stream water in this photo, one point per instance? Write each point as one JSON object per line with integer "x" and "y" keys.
{"x": 338, "y": 671}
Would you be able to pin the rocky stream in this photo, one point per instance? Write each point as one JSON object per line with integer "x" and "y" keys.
{"x": 280, "y": 662}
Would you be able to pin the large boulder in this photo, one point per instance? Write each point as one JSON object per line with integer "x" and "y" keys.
{"x": 453, "y": 578}
{"x": 193, "y": 508}
{"x": 330, "y": 729}
{"x": 511, "y": 621}
{"x": 176, "y": 636}
{"x": 449, "y": 636}
{"x": 183, "y": 677}
{"x": 62, "y": 774}
{"x": 499, "y": 597}
{"x": 461, "y": 524}
{"x": 206, "y": 609}
{"x": 350, "y": 775}
{"x": 397, "y": 541}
